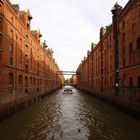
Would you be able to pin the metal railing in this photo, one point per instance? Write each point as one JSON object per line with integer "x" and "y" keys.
{"x": 14, "y": 97}
{"x": 124, "y": 93}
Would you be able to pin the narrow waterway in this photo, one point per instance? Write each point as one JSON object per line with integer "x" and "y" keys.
{"x": 76, "y": 116}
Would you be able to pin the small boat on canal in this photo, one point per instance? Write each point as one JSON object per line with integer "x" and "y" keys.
{"x": 67, "y": 91}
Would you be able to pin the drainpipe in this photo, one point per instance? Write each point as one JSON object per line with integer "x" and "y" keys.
{"x": 116, "y": 11}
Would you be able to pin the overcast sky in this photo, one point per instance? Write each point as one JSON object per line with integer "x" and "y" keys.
{"x": 69, "y": 26}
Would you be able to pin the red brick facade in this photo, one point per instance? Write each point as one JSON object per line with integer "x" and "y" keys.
{"x": 73, "y": 80}
{"x": 112, "y": 68}
{"x": 27, "y": 67}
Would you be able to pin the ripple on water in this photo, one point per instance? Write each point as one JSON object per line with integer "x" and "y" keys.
{"x": 74, "y": 116}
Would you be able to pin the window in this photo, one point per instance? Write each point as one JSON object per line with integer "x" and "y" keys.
{"x": 11, "y": 79}
{"x": 130, "y": 82}
{"x": 31, "y": 52}
{"x": 123, "y": 50}
{"x": 20, "y": 42}
{"x": 21, "y": 30}
{"x": 0, "y": 16}
{"x": 38, "y": 82}
{"x": 37, "y": 68}
{"x": 133, "y": 28}
{"x": 124, "y": 62}
{"x": 28, "y": 26}
{"x": 0, "y": 6}
{"x": 31, "y": 60}
{"x": 123, "y": 25}
{"x": 12, "y": 20}
{"x": 130, "y": 48}
{"x": 26, "y": 59}
{"x": 20, "y": 59}
{"x": 11, "y": 34}
{"x": 34, "y": 81}
{"x": 26, "y": 48}
{"x": 11, "y": 49}
{"x": 26, "y": 68}
{"x": 27, "y": 38}
{"x": 11, "y": 61}
{"x": 31, "y": 80}
{"x": 123, "y": 37}
{"x": 123, "y": 80}
{"x": 105, "y": 81}
{"x": 138, "y": 43}
{"x": 0, "y": 57}
{"x": 26, "y": 81}
{"x": 138, "y": 82}
{"x": 20, "y": 80}
{"x": 110, "y": 38}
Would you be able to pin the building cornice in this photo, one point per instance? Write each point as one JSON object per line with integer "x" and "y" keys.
{"x": 127, "y": 8}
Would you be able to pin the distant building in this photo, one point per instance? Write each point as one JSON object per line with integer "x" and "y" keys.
{"x": 112, "y": 67}
{"x": 27, "y": 67}
{"x": 73, "y": 80}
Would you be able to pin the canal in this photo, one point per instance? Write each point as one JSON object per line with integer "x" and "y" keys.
{"x": 76, "y": 116}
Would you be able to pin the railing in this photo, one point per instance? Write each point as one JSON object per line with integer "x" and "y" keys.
{"x": 14, "y": 97}
{"x": 131, "y": 94}
{"x": 11, "y": 97}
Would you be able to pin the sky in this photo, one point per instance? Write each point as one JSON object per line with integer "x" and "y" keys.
{"x": 69, "y": 26}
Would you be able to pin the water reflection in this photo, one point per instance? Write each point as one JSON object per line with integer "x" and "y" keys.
{"x": 74, "y": 116}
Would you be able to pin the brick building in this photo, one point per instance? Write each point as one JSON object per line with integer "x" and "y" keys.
{"x": 112, "y": 67}
{"x": 27, "y": 67}
{"x": 73, "y": 80}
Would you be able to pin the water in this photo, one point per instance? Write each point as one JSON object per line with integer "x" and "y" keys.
{"x": 76, "y": 116}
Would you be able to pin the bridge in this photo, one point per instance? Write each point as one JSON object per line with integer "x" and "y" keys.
{"x": 67, "y": 72}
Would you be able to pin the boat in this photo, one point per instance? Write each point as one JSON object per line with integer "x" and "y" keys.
{"x": 67, "y": 91}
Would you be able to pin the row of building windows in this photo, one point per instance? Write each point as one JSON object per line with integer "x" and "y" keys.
{"x": 20, "y": 80}
{"x": 20, "y": 40}
{"x": 130, "y": 51}
{"x": 130, "y": 81}
{"x": 133, "y": 27}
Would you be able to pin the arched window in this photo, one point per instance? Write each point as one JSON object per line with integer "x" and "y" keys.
{"x": 20, "y": 80}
